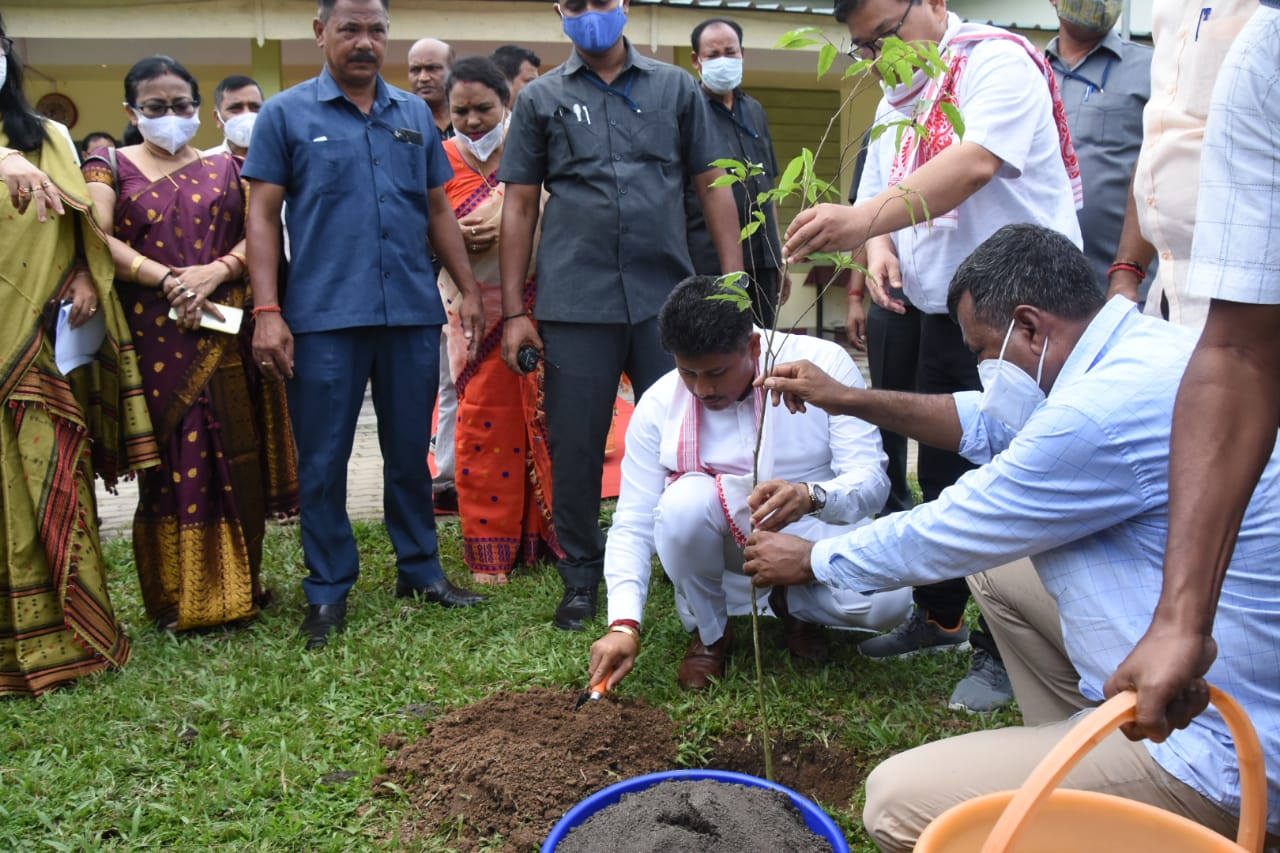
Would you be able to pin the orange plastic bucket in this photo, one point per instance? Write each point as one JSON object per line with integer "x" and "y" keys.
{"x": 1043, "y": 818}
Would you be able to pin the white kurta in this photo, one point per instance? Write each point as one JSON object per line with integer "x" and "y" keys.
{"x": 685, "y": 524}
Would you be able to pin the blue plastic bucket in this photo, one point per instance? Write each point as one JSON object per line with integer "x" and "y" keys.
{"x": 818, "y": 821}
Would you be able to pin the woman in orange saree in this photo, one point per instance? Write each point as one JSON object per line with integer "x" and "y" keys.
{"x": 178, "y": 221}
{"x": 503, "y": 463}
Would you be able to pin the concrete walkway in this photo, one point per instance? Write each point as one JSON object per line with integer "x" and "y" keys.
{"x": 364, "y": 476}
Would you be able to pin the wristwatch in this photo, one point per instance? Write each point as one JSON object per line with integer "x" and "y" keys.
{"x": 817, "y": 498}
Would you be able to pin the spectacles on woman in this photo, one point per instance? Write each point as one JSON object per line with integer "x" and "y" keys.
{"x": 871, "y": 49}
{"x": 183, "y": 107}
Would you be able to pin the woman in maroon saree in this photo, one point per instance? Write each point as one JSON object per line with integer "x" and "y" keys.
{"x": 178, "y": 221}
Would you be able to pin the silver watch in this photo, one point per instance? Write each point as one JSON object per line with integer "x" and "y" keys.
{"x": 817, "y": 497}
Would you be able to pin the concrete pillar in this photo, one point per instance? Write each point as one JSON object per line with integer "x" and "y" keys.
{"x": 268, "y": 65}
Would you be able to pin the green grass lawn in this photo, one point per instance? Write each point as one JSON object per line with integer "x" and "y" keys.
{"x": 239, "y": 740}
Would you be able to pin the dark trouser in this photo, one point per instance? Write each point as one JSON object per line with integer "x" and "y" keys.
{"x": 893, "y": 350}
{"x": 331, "y": 370}
{"x": 946, "y": 365}
{"x": 580, "y": 389}
{"x": 764, "y": 296}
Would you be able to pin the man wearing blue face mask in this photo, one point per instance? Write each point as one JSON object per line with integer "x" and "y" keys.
{"x": 613, "y": 136}
{"x": 1075, "y": 476}
{"x": 742, "y": 129}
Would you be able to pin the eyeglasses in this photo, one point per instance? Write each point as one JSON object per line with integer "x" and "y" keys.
{"x": 183, "y": 108}
{"x": 6, "y": 46}
{"x": 871, "y": 49}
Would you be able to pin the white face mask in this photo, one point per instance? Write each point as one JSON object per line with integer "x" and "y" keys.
{"x": 1009, "y": 394}
{"x": 4, "y": 71}
{"x": 723, "y": 74}
{"x": 482, "y": 149}
{"x": 239, "y": 128}
{"x": 169, "y": 132}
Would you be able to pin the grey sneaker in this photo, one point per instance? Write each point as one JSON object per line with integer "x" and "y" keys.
{"x": 985, "y": 688}
{"x": 916, "y": 635}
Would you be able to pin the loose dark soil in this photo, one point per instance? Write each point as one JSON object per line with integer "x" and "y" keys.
{"x": 697, "y": 817}
{"x": 499, "y": 774}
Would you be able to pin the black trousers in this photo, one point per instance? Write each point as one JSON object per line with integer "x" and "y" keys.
{"x": 944, "y": 365}
{"x": 586, "y": 361}
{"x": 893, "y": 351}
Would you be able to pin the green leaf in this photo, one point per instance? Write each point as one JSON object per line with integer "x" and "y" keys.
{"x": 791, "y": 174}
{"x": 798, "y": 38}
{"x": 749, "y": 229}
{"x": 826, "y": 57}
{"x": 726, "y": 181}
{"x": 952, "y": 112}
{"x": 728, "y": 165}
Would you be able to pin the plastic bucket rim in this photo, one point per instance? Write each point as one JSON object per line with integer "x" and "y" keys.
{"x": 813, "y": 814}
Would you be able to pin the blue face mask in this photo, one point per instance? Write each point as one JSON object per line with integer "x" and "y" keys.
{"x": 596, "y": 32}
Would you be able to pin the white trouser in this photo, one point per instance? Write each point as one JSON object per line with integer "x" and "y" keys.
{"x": 704, "y": 563}
{"x": 446, "y": 421}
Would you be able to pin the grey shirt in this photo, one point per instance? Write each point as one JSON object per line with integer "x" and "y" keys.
{"x": 614, "y": 164}
{"x": 744, "y": 133}
{"x": 1104, "y": 96}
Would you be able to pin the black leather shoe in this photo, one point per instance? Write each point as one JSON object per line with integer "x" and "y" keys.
{"x": 322, "y": 620}
{"x": 577, "y": 607}
{"x": 441, "y": 592}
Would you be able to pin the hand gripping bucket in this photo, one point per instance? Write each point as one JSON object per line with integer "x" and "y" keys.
{"x": 1043, "y": 818}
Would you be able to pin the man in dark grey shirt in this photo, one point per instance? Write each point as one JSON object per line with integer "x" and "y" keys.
{"x": 742, "y": 128}
{"x": 611, "y": 135}
{"x": 1105, "y": 82}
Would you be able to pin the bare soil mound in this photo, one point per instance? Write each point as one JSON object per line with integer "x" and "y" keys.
{"x": 498, "y": 774}
{"x": 513, "y": 764}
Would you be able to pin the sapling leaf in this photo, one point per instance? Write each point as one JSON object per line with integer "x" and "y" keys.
{"x": 726, "y": 181}
{"x": 952, "y": 112}
{"x": 749, "y": 229}
{"x": 826, "y": 57}
{"x": 791, "y": 174}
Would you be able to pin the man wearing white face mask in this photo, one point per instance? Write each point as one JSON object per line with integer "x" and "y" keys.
{"x": 1075, "y": 476}
{"x": 741, "y": 130}
{"x": 237, "y": 101}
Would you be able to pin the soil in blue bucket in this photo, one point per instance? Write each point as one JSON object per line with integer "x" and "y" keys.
{"x": 703, "y": 816}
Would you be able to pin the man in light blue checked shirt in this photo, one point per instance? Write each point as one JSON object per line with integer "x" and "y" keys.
{"x": 1072, "y": 432}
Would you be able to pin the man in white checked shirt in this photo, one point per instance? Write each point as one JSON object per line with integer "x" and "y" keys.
{"x": 1072, "y": 432}
{"x": 1224, "y": 423}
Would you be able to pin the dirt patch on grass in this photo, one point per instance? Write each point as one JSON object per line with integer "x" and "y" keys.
{"x": 498, "y": 774}
{"x": 828, "y": 775}
{"x": 513, "y": 764}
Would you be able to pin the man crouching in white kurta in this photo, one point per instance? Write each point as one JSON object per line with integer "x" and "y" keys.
{"x": 687, "y": 490}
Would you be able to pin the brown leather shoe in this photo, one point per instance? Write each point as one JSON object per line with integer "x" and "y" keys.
{"x": 702, "y": 662}
{"x": 805, "y": 640}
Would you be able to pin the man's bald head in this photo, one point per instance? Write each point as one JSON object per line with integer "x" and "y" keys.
{"x": 429, "y": 63}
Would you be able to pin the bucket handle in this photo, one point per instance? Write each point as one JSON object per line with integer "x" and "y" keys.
{"x": 1099, "y": 723}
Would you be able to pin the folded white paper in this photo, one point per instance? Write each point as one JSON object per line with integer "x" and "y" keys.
{"x": 231, "y": 325}
{"x": 73, "y": 348}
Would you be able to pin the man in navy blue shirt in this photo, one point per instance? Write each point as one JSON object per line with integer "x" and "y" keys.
{"x": 360, "y": 166}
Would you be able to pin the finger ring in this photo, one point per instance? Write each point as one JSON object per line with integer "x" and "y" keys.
{"x": 44, "y": 184}
{"x": 93, "y": 310}
{"x": 265, "y": 363}
{"x": 473, "y": 232}
{"x": 23, "y": 190}
{"x": 181, "y": 289}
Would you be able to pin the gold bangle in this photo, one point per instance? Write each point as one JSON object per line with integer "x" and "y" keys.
{"x": 135, "y": 266}
{"x": 626, "y": 629}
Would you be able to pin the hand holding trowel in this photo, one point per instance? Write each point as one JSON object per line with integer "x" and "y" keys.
{"x": 612, "y": 657}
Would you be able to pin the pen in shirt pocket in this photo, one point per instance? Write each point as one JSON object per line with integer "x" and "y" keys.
{"x": 1205, "y": 12}
{"x": 562, "y": 113}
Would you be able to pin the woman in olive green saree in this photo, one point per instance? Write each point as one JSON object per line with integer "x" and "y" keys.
{"x": 56, "y": 619}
